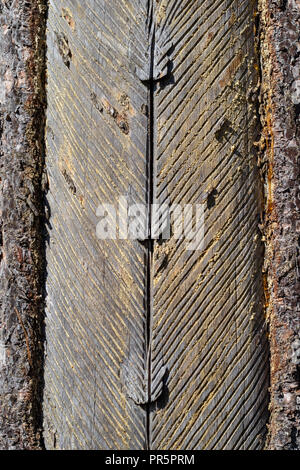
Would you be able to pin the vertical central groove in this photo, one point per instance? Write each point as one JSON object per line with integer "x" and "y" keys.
{"x": 150, "y": 165}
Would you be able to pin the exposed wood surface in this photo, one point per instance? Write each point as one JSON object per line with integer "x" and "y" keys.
{"x": 202, "y": 324}
{"x": 208, "y": 324}
{"x": 95, "y": 317}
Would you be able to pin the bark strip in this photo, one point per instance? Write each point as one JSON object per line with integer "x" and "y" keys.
{"x": 280, "y": 105}
{"x": 22, "y": 106}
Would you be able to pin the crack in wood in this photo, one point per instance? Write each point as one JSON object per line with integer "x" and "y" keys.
{"x": 151, "y": 79}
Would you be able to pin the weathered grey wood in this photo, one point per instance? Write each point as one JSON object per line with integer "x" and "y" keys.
{"x": 96, "y": 152}
{"x": 208, "y": 322}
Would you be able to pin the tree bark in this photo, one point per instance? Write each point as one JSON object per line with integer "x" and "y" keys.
{"x": 280, "y": 105}
{"x": 22, "y": 106}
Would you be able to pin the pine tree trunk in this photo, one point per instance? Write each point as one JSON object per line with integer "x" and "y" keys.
{"x": 142, "y": 342}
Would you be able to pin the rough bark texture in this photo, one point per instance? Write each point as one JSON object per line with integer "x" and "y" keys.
{"x": 22, "y": 102}
{"x": 280, "y": 104}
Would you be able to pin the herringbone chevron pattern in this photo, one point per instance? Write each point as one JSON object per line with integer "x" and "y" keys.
{"x": 149, "y": 343}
